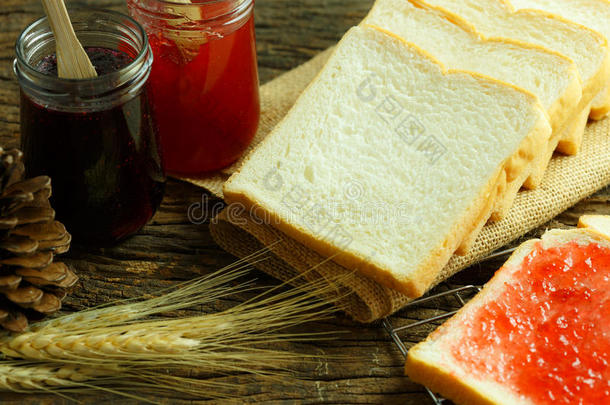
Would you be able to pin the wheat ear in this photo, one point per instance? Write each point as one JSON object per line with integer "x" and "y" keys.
{"x": 55, "y": 378}
{"x": 122, "y": 340}
{"x": 199, "y": 291}
{"x": 206, "y": 341}
{"x": 23, "y": 377}
{"x": 193, "y": 341}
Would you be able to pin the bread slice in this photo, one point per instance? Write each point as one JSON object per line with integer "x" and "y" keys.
{"x": 594, "y": 14}
{"x": 599, "y": 224}
{"x": 502, "y": 348}
{"x": 587, "y": 48}
{"x": 387, "y": 159}
{"x": 552, "y": 77}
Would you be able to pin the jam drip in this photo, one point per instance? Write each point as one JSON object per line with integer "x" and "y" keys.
{"x": 547, "y": 334}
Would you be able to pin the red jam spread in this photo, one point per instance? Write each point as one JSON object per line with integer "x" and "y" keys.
{"x": 547, "y": 334}
{"x": 207, "y": 106}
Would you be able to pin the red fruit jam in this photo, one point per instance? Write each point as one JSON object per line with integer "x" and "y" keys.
{"x": 105, "y": 166}
{"x": 207, "y": 102}
{"x": 547, "y": 334}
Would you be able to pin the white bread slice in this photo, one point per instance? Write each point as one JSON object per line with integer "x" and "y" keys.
{"x": 552, "y": 77}
{"x": 587, "y": 48}
{"x": 433, "y": 362}
{"x": 437, "y": 163}
{"x": 594, "y": 14}
{"x": 599, "y": 224}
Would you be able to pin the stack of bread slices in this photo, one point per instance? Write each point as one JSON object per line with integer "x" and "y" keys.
{"x": 423, "y": 126}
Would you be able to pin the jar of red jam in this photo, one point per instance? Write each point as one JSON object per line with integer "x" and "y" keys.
{"x": 204, "y": 79}
{"x": 96, "y": 138}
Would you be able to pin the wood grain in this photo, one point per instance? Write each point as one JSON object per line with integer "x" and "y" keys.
{"x": 172, "y": 249}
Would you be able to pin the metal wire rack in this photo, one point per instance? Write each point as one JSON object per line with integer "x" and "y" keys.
{"x": 462, "y": 294}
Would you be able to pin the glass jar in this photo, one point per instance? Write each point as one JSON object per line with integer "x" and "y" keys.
{"x": 204, "y": 79}
{"x": 96, "y": 138}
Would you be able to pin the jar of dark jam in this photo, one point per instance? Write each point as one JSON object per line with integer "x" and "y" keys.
{"x": 96, "y": 138}
{"x": 204, "y": 79}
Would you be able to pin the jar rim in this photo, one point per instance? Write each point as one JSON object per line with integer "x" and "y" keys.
{"x": 138, "y": 60}
{"x": 197, "y": 2}
{"x": 233, "y": 7}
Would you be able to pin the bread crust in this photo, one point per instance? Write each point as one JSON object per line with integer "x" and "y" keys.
{"x": 598, "y": 82}
{"x": 600, "y": 111}
{"x": 590, "y": 88}
{"x": 566, "y": 106}
{"x": 442, "y": 380}
{"x": 519, "y": 168}
{"x": 598, "y": 224}
{"x": 574, "y": 131}
{"x": 527, "y": 173}
{"x": 528, "y": 164}
{"x": 471, "y": 237}
{"x": 571, "y": 142}
{"x": 519, "y": 165}
{"x": 424, "y": 276}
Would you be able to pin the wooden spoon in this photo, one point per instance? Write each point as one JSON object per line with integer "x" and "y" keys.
{"x": 72, "y": 60}
{"x": 188, "y": 44}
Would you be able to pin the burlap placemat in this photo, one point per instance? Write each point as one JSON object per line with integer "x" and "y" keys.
{"x": 568, "y": 180}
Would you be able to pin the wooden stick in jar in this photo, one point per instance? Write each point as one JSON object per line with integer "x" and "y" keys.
{"x": 188, "y": 42}
{"x": 191, "y": 14}
{"x": 72, "y": 60}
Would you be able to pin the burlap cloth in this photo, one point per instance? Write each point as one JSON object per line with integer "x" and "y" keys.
{"x": 568, "y": 180}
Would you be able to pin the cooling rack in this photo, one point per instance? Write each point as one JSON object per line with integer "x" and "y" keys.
{"x": 444, "y": 291}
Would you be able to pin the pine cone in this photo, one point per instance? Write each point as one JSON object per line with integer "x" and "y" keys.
{"x": 31, "y": 284}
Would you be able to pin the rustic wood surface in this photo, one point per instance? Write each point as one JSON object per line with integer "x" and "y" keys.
{"x": 171, "y": 249}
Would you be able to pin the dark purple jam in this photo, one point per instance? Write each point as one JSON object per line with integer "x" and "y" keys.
{"x": 103, "y": 59}
{"x": 105, "y": 165}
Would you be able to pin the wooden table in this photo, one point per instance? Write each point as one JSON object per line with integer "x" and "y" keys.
{"x": 171, "y": 249}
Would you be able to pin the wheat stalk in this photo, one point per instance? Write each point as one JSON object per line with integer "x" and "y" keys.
{"x": 27, "y": 377}
{"x": 199, "y": 291}
{"x": 119, "y": 331}
{"x": 122, "y": 339}
{"x": 23, "y": 377}
{"x": 56, "y": 378}
{"x": 199, "y": 341}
